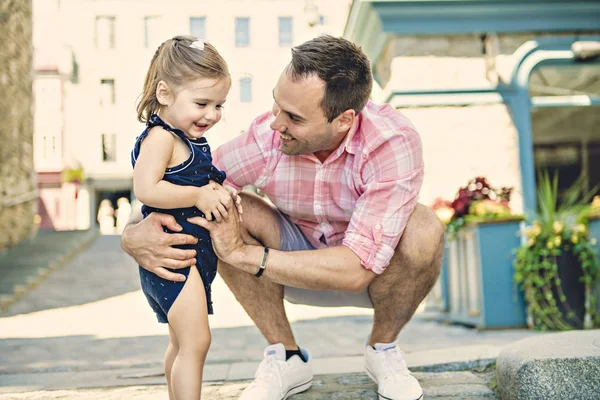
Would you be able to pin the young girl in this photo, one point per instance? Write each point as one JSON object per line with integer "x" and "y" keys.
{"x": 183, "y": 97}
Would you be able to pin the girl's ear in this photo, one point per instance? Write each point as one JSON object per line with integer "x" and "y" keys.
{"x": 164, "y": 95}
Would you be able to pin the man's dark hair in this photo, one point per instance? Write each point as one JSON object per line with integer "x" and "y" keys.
{"x": 343, "y": 67}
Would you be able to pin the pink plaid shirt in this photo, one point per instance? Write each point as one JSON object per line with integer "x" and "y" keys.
{"x": 360, "y": 197}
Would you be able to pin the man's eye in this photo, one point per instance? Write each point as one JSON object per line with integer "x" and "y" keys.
{"x": 293, "y": 118}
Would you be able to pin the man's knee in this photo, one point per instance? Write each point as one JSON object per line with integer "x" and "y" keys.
{"x": 422, "y": 242}
{"x": 259, "y": 221}
{"x": 425, "y": 230}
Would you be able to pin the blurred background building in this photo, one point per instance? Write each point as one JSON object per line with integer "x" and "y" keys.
{"x": 91, "y": 57}
{"x": 496, "y": 89}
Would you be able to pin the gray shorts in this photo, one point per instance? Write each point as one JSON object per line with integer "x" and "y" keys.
{"x": 293, "y": 239}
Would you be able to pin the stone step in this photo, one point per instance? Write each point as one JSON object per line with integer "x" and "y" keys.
{"x": 355, "y": 386}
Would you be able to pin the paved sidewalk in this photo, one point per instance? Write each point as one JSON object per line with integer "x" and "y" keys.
{"x": 89, "y": 326}
{"x": 26, "y": 265}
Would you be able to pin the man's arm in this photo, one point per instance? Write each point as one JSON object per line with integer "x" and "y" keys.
{"x": 334, "y": 268}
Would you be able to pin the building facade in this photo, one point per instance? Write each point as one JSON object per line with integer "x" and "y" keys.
{"x": 99, "y": 53}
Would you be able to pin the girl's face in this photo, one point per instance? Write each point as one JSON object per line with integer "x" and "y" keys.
{"x": 196, "y": 106}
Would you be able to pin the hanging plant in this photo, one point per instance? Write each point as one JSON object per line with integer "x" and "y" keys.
{"x": 558, "y": 237}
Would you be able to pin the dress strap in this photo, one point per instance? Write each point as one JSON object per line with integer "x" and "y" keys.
{"x": 155, "y": 120}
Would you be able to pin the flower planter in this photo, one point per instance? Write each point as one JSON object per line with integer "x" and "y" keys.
{"x": 594, "y": 230}
{"x": 479, "y": 273}
{"x": 570, "y": 273}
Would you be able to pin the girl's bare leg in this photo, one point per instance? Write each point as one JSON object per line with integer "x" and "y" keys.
{"x": 170, "y": 355}
{"x": 188, "y": 319}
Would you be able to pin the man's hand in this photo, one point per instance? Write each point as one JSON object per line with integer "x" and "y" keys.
{"x": 151, "y": 246}
{"x": 225, "y": 235}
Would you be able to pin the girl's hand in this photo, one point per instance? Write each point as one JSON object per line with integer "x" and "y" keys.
{"x": 215, "y": 200}
{"x": 236, "y": 199}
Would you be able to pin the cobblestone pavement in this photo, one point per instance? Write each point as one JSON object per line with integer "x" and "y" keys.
{"x": 88, "y": 325}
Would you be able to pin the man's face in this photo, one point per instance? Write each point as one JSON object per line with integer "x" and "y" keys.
{"x": 301, "y": 123}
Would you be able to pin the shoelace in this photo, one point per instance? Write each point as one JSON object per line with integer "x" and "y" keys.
{"x": 394, "y": 363}
{"x": 269, "y": 368}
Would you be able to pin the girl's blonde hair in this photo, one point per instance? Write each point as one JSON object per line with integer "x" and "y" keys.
{"x": 176, "y": 62}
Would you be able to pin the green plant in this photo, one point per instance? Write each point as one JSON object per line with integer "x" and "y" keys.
{"x": 557, "y": 228}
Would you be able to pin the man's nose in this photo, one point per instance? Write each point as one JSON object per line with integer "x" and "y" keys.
{"x": 277, "y": 125}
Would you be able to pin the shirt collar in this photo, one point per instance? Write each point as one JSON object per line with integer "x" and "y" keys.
{"x": 350, "y": 142}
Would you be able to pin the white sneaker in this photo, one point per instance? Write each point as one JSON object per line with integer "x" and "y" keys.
{"x": 386, "y": 366}
{"x": 278, "y": 379}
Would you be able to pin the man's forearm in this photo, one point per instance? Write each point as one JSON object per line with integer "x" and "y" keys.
{"x": 334, "y": 268}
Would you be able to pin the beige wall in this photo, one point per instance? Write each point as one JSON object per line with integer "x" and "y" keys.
{"x": 460, "y": 143}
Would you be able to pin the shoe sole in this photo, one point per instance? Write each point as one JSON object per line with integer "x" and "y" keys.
{"x": 298, "y": 389}
{"x": 382, "y": 397}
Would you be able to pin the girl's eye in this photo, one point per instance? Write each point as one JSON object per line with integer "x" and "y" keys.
{"x": 201, "y": 104}
{"x": 220, "y": 106}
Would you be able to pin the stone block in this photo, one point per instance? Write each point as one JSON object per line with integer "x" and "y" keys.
{"x": 557, "y": 366}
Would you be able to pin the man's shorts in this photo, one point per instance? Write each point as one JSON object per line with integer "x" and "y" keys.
{"x": 292, "y": 239}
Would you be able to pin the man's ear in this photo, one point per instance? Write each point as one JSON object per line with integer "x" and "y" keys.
{"x": 345, "y": 120}
{"x": 164, "y": 95}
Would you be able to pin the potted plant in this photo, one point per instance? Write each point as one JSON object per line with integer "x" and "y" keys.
{"x": 557, "y": 265}
{"x": 477, "y": 202}
{"x": 477, "y": 272}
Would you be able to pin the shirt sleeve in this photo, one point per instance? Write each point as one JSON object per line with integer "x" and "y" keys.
{"x": 392, "y": 175}
{"x": 244, "y": 158}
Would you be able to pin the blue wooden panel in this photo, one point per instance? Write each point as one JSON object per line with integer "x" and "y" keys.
{"x": 503, "y": 304}
{"x": 444, "y": 278}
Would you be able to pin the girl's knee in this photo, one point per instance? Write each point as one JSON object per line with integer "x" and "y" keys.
{"x": 197, "y": 346}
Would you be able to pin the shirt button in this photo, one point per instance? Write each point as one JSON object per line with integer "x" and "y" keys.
{"x": 378, "y": 227}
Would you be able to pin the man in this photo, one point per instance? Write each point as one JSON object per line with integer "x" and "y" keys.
{"x": 344, "y": 175}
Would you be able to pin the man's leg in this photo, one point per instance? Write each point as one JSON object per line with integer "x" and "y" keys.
{"x": 261, "y": 298}
{"x": 409, "y": 277}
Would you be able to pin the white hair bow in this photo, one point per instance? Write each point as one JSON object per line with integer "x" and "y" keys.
{"x": 199, "y": 44}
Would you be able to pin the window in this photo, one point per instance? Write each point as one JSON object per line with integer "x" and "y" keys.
{"x": 285, "y": 31}
{"x": 198, "y": 27}
{"x": 107, "y": 92}
{"x": 152, "y": 32}
{"x": 105, "y": 32}
{"x": 242, "y": 32}
{"x": 109, "y": 147}
{"x": 245, "y": 89}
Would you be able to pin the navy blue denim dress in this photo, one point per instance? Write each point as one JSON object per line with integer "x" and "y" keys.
{"x": 197, "y": 170}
